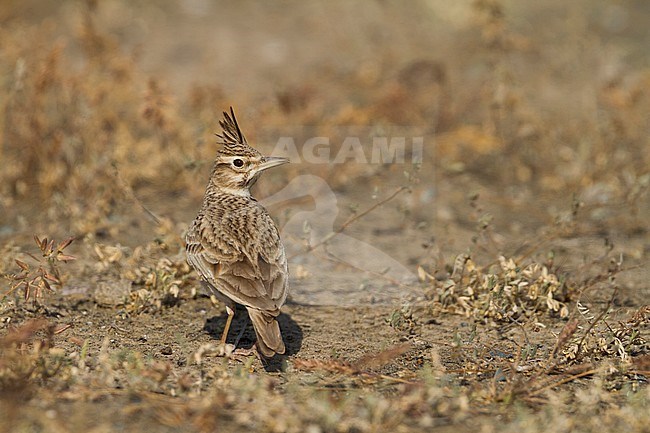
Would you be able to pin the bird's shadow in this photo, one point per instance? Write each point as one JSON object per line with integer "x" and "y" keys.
{"x": 291, "y": 335}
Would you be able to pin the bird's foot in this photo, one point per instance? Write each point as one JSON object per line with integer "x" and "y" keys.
{"x": 244, "y": 353}
{"x": 225, "y": 349}
{"x": 231, "y": 351}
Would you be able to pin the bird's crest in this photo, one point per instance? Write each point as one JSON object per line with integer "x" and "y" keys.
{"x": 233, "y": 140}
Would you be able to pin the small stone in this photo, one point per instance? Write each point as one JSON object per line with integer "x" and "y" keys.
{"x": 167, "y": 350}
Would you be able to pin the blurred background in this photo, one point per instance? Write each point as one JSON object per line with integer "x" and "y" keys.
{"x": 528, "y": 112}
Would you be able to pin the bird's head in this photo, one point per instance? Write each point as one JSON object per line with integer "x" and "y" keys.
{"x": 238, "y": 165}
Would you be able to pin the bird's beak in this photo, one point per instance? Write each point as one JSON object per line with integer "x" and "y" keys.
{"x": 271, "y": 161}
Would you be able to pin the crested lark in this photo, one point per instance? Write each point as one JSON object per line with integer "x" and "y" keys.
{"x": 233, "y": 243}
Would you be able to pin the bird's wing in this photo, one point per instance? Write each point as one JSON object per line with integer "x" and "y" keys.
{"x": 248, "y": 266}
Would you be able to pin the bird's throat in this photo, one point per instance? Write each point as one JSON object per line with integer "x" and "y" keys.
{"x": 242, "y": 192}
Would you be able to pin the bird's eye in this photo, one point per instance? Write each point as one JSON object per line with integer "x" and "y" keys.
{"x": 238, "y": 162}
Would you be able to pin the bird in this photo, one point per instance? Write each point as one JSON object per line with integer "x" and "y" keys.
{"x": 233, "y": 243}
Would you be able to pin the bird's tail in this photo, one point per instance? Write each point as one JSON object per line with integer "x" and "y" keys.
{"x": 269, "y": 339}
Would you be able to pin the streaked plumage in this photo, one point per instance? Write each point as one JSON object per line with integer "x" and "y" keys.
{"x": 233, "y": 243}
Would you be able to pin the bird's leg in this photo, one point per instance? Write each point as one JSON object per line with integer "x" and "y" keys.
{"x": 237, "y": 353}
{"x": 231, "y": 314}
{"x": 241, "y": 332}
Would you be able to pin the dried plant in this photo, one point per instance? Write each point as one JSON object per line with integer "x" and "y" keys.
{"x": 600, "y": 340}
{"x": 45, "y": 274}
{"x": 26, "y": 355}
{"x": 502, "y": 293}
